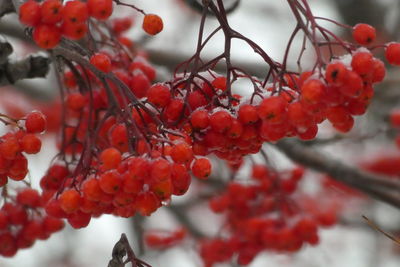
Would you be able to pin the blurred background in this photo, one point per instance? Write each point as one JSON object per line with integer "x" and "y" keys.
{"x": 351, "y": 243}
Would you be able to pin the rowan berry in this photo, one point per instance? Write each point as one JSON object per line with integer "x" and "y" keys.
{"x": 75, "y": 11}
{"x": 139, "y": 84}
{"x": 221, "y": 121}
{"x": 46, "y": 36}
{"x": 111, "y": 158}
{"x": 8, "y": 245}
{"x": 364, "y": 34}
{"x": 201, "y": 168}
{"x": 52, "y": 225}
{"x": 146, "y": 203}
{"x": 30, "y": 144}
{"x": 29, "y": 13}
{"x": 392, "y": 53}
{"x": 35, "y": 122}
{"x": 75, "y": 101}
{"x": 19, "y": 168}
{"x": 353, "y": 86}
{"x": 313, "y": 91}
{"x": 196, "y": 99}
{"x": 101, "y": 61}
{"x": 70, "y": 200}
{"x": 152, "y": 24}
{"x": 273, "y": 109}
{"x": 182, "y": 153}
{"x": 91, "y": 190}
{"x": 79, "y": 219}
{"x": 173, "y": 110}
{"x": 74, "y": 31}
{"x": 219, "y": 83}
{"x": 180, "y": 179}
{"x": 100, "y": 9}
{"x": 247, "y": 114}
{"x": 29, "y": 197}
{"x": 121, "y": 24}
{"x": 236, "y": 129}
{"x": 10, "y": 147}
{"x": 51, "y": 11}
{"x": 362, "y": 62}
{"x": 335, "y": 73}
{"x": 159, "y": 95}
{"x": 200, "y": 119}
{"x": 141, "y": 64}
{"x": 110, "y": 182}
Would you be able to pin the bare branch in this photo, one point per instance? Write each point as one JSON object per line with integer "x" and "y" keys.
{"x": 6, "y": 6}
{"x": 384, "y": 189}
{"x": 5, "y": 50}
{"x": 33, "y": 66}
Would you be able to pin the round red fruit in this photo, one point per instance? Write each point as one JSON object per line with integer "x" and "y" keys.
{"x": 152, "y": 24}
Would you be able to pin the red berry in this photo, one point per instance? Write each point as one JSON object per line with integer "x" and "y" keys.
{"x": 29, "y": 13}
{"x": 182, "y": 153}
{"x": 110, "y": 182}
{"x": 30, "y": 144}
{"x": 100, "y": 9}
{"x": 139, "y": 84}
{"x": 201, "y": 168}
{"x": 248, "y": 114}
{"x": 200, "y": 119}
{"x": 79, "y": 219}
{"x": 121, "y": 24}
{"x": 29, "y": 197}
{"x": 70, "y": 200}
{"x": 146, "y": 203}
{"x": 101, "y": 61}
{"x": 335, "y": 73}
{"x": 174, "y": 109}
{"x": 35, "y": 122}
{"x": 159, "y": 95}
{"x": 362, "y": 63}
{"x": 152, "y": 24}
{"x": 221, "y": 121}
{"x": 46, "y": 36}
{"x": 313, "y": 91}
{"x": 76, "y": 101}
{"x": 364, "y": 34}
{"x": 74, "y": 31}
{"x": 392, "y": 54}
{"x": 51, "y": 11}
{"x": 273, "y": 109}
{"x": 75, "y": 11}
{"x": 110, "y": 158}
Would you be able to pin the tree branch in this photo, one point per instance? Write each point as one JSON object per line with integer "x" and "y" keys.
{"x": 379, "y": 187}
{"x": 33, "y": 66}
{"x": 6, "y": 7}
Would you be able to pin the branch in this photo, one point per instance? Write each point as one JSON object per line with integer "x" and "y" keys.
{"x": 6, "y": 6}
{"x": 379, "y": 187}
{"x": 33, "y": 66}
{"x": 121, "y": 250}
{"x": 5, "y": 50}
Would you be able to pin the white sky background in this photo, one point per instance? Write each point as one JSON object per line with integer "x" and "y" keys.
{"x": 269, "y": 24}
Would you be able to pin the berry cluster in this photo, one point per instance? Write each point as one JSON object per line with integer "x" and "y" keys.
{"x": 265, "y": 215}
{"x": 293, "y": 107}
{"x": 132, "y": 163}
{"x": 51, "y": 19}
{"x": 23, "y": 221}
{"x": 13, "y": 145}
